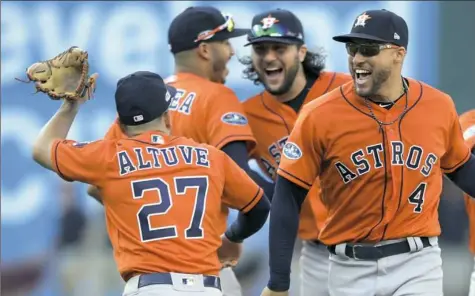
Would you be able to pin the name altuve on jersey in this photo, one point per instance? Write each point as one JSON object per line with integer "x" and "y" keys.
{"x": 415, "y": 160}
{"x": 155, "y": 158}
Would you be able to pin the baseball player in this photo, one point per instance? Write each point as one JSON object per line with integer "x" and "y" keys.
{"x": 380, "y": 145}
{"x": 292, "y": 76}
{"x": 467, "y": 121}
{"x": 204, "y": 109}
{"x": 162, "y": 194}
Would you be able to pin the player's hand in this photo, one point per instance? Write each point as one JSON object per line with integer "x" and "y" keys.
{"x": 269, "y": 292}
{"x": 229, "y": 252}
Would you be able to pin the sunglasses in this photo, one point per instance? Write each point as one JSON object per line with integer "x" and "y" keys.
{"x": 275, "y": 30}
{"x": 367, "y": 50}
{"x": 228, "y": 24}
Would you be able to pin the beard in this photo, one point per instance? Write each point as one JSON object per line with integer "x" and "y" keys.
{"x": 289, "y": 77}
{"x": 219, "y": 71}
{"x": 377, "y": 79}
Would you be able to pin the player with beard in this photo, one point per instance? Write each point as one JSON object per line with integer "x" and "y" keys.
{"x": 292, "y": 76}
{"x": 379, "y": 145}
{"x": 204, "y": 109}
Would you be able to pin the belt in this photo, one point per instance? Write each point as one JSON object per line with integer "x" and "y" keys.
{"x": 166, "y": 279}
{"x": 363, "y": 252}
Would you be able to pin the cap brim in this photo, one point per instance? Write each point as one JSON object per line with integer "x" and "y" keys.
{"x": 282, "y": 40}
{"x": 357, "y": 36}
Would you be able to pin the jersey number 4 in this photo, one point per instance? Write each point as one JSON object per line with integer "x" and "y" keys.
{"x": 417, "y": 197}
{"x": 182, "y": 184}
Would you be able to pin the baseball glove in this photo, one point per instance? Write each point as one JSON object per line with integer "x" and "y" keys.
{"x": 66, "y": 76}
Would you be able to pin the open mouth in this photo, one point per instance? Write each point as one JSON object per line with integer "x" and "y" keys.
{"x": 273, "y": 72}
{"x": 362, "y": 75}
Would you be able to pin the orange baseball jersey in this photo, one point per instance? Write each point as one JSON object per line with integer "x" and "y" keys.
{"x": 271, "y": 122}
{"x": 162, "y": 196}
{"x": 379, "y": 182}
{"x": 206, "y": 112}
{"x": 467, "y": 121}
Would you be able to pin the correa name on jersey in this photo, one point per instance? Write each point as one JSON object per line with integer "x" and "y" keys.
{"x": 155, "y": 158}
{"x": 415, "y": 159}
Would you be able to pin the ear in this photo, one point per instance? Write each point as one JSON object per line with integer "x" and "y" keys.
{"x": 302, "y": 52}
{"x": 400, "y": 55}
{"x": 204, "y": 50}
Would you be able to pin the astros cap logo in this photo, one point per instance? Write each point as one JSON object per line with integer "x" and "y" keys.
{"x": 268, "y": 22}
{"x": 361, "y": 20}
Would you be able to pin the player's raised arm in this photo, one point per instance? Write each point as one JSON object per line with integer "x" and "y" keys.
{"x": 458, "y": 162}
{"x": 298, "y": 169}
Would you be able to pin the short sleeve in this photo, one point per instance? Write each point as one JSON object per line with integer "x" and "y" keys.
{"x": 457, "y": 152}
{"x": 76, "y": 161}
{"x": 226, "y": 120}
{"x": 114, "y": 132}
{"x": 240, "y": 191}
{"x": 302, "y": 155}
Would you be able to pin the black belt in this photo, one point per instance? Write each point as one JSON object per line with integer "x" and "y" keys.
{"x": 363, "y": 252}
{"x": 166, "y": 279}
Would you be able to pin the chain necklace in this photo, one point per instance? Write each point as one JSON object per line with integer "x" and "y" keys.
{"x": 382, "y": 123}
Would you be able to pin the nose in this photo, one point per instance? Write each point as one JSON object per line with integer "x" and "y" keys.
{"x": 358, "y": 59}
{"x": 269, "y": 56}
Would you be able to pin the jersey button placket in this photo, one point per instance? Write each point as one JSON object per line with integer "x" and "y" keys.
{"x": 392, "y": 201}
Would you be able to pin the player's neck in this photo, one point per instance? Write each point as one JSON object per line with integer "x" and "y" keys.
{"x": 195, "y": 70}
{"x": 390, "y": 92}
{"x": 298, "y": 85}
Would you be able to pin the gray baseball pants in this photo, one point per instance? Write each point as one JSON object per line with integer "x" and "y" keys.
{"x": 417, "y": 273}
{"x": 183, "y": 285}
{"x": 314, "y": 262}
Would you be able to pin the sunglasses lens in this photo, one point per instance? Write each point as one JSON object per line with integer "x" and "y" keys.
{"x": 369, "y": 50}
{"x": 230, "y": 22}
{"x": 352, "y": 49}
{"x": 366, "y": 50}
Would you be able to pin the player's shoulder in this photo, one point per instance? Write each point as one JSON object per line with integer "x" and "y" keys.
{"x": 203, "y": 88}
{"x": 329, "y": 99}
{"x": 429, "y": 92}
{"x": 253, "y": 103}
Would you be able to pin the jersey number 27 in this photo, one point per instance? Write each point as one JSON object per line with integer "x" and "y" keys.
{"x": 194, "y": 230}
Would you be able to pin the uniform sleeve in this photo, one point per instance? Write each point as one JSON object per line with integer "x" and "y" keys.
{"x": 226, "y": 120}
{"x": 114, "y": 132}
{"x": 302, "y": 154}
{"x": 75, "y": 161}
{"x": 240, "y": 191}
{"x": 457, "y": 152}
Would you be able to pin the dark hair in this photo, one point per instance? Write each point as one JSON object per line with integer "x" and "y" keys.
{"x": 313, "y": 64}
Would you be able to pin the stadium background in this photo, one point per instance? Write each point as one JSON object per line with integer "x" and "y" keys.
{"x": 53, "y": 238}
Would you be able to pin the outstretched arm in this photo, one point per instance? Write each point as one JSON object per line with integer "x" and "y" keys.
{"x": 57, "y": 128}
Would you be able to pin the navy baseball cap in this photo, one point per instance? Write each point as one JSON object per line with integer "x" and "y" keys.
{"x": 141, "y": 97}
{"x": 198, "y": 24}
{"x": 378, "y": 26}
{"x": 277, "y": 25}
